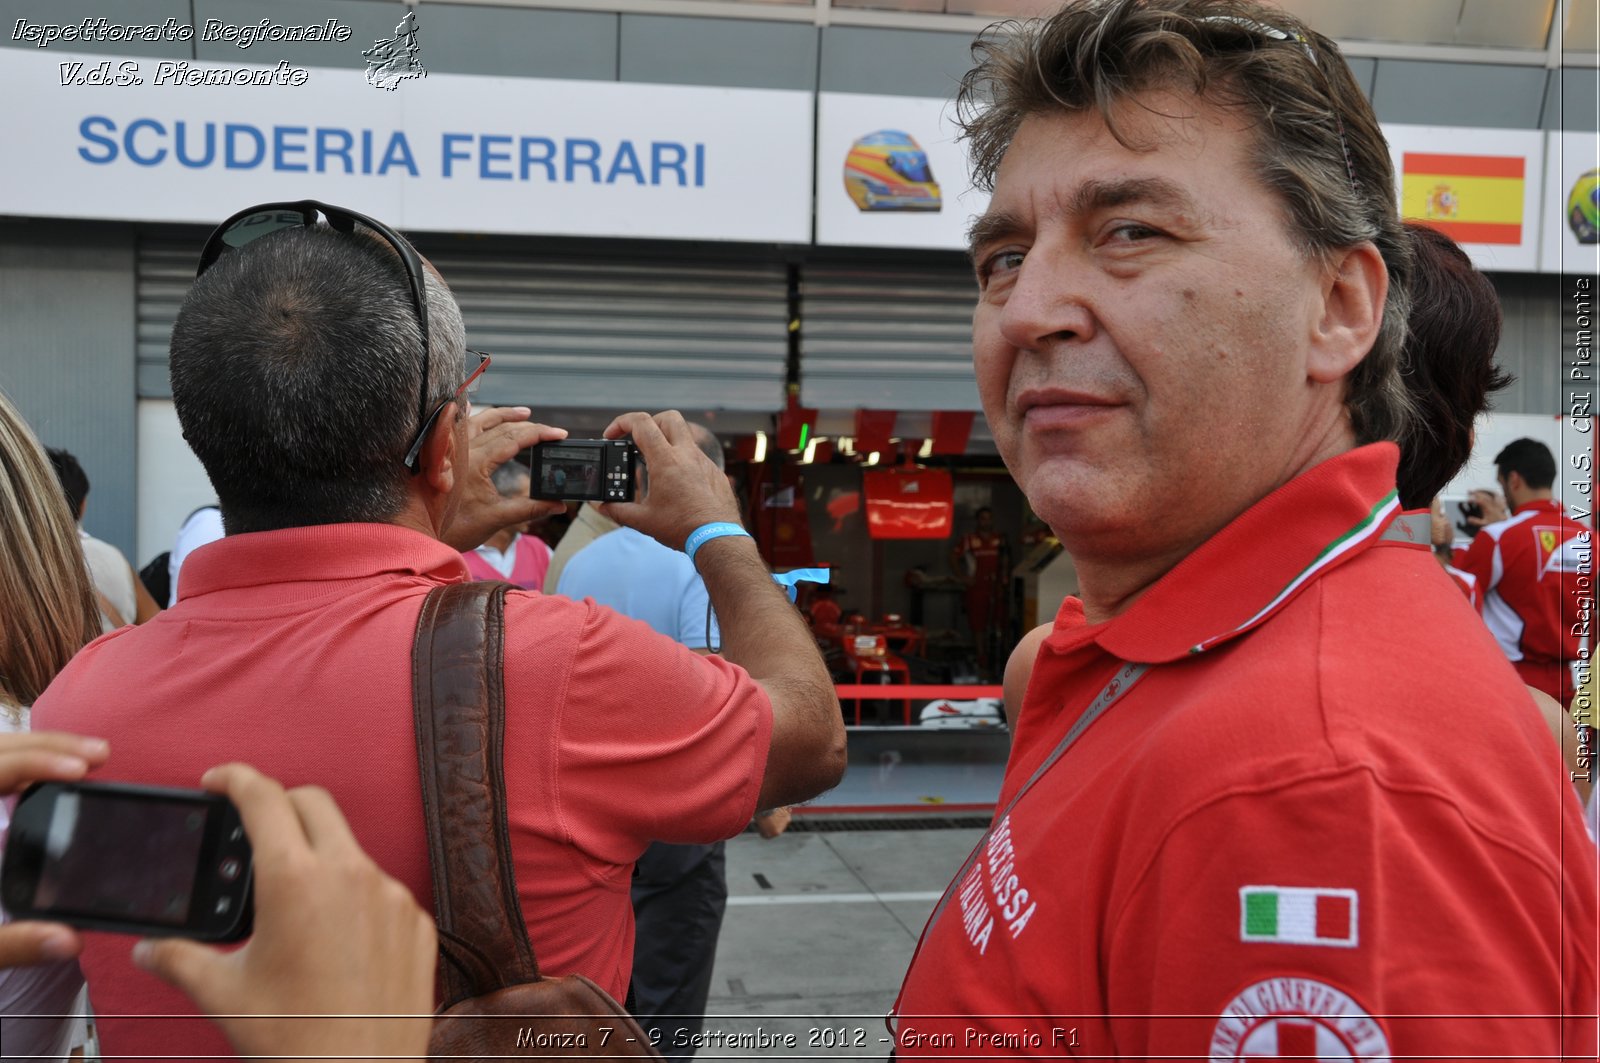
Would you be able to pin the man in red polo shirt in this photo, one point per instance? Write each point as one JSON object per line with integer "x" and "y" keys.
{"x": 1531, "y": 566}
{"x": 1272, "y": 792}
{"x": 323, "y": 392}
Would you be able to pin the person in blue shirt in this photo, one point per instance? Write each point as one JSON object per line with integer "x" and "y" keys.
{"x": 679, "y": 891}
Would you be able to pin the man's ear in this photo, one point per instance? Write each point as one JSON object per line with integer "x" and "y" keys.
{"x": 438, "y": 457}
{"x": 1353, "y": 293}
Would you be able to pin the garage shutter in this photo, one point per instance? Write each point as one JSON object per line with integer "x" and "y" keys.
{"x": 638, "y": 330}
{"x": 165, "y": 271}
{"x": 897, "y": 338}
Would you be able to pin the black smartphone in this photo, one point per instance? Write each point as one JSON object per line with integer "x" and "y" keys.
{"x": 1472, "y": 510}
{"x": 131, "y": 859}
{"x": 584, "y": 470}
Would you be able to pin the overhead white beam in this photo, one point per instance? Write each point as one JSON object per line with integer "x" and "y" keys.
{"x": 1443, "y": 53}
{"x": 1558, "y": 27}
{"x": 824, "y": 13}
{"x": 691, "y": 8}
{"x": 1562, "y": 52}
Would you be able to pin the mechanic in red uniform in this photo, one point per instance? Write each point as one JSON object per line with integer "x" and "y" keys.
{"x": 1535, "y": 566}
{"x": 979, "y": 559}
{"x": 1272, "y": 792}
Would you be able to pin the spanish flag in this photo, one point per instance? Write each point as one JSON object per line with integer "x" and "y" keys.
{"x": 1473, "y": 199}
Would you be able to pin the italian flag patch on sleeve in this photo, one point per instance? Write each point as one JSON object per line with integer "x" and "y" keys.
{"x": 1295, "y": 915}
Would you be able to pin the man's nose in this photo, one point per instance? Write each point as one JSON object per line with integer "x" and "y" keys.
{"x": 1048, "y": 303}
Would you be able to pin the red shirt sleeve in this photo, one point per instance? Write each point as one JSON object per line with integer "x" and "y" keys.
{"x": 1476, "y": 558}
{"x": 1336, "y": 912}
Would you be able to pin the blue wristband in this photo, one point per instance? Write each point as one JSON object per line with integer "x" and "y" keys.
{"x": 706, "y": 532}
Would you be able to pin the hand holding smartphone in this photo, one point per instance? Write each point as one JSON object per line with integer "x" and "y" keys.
{"x": 342, "y": 959}
{"x": 333, "y": 934}
{"x": 129, "y": 859}
{"x": 27, "y": 757}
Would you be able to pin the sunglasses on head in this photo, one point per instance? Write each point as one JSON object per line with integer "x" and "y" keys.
{"x": 1274, "y": 33}
{"x": 265, "y": 218}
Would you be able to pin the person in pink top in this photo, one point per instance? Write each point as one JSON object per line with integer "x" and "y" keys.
{"x": 320, "y": 374}
{"x": 511, "y": 554}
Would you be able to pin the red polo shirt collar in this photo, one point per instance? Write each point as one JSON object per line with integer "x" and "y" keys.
{"x": 276, "y": 562}
{"x": 1254, "y": 566}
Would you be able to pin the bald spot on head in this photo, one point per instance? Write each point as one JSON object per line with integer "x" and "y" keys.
{"x": 512, "y": 479}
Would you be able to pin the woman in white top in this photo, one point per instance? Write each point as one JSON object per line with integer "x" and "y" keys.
{"x": 48, "y": 612}
{"x": 122, "y": 598}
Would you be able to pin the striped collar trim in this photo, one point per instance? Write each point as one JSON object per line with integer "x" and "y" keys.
{"x": 1369, "y": 529}
{"x": 1255, "y": 565}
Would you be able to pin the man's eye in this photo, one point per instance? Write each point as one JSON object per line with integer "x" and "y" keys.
{"x": 1131, "y": 232}
{"x": 1003, "y": 262}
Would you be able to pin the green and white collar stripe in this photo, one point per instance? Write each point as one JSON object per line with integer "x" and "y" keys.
{"x": 1368, "y": 528}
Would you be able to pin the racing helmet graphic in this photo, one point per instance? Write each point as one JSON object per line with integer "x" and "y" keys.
{"x": 1583, "y": 208}
{"x": 888, "y": 170}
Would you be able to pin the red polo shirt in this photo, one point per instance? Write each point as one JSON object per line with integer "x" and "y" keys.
{"x": 291, "y": 650}
{"x": 1328, "y": 822}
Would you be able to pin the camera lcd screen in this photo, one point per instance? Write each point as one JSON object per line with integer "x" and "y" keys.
{"x": 97, "y": 858}
{"x": 571, "y": 472}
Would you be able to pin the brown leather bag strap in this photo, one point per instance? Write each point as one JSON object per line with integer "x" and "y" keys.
{"x": 458, "y": 696}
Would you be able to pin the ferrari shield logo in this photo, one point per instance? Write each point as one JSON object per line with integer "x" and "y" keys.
{"x": 1558, "y": 554}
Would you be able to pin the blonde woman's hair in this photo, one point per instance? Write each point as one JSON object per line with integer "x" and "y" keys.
{"x": 47, "y": 604}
